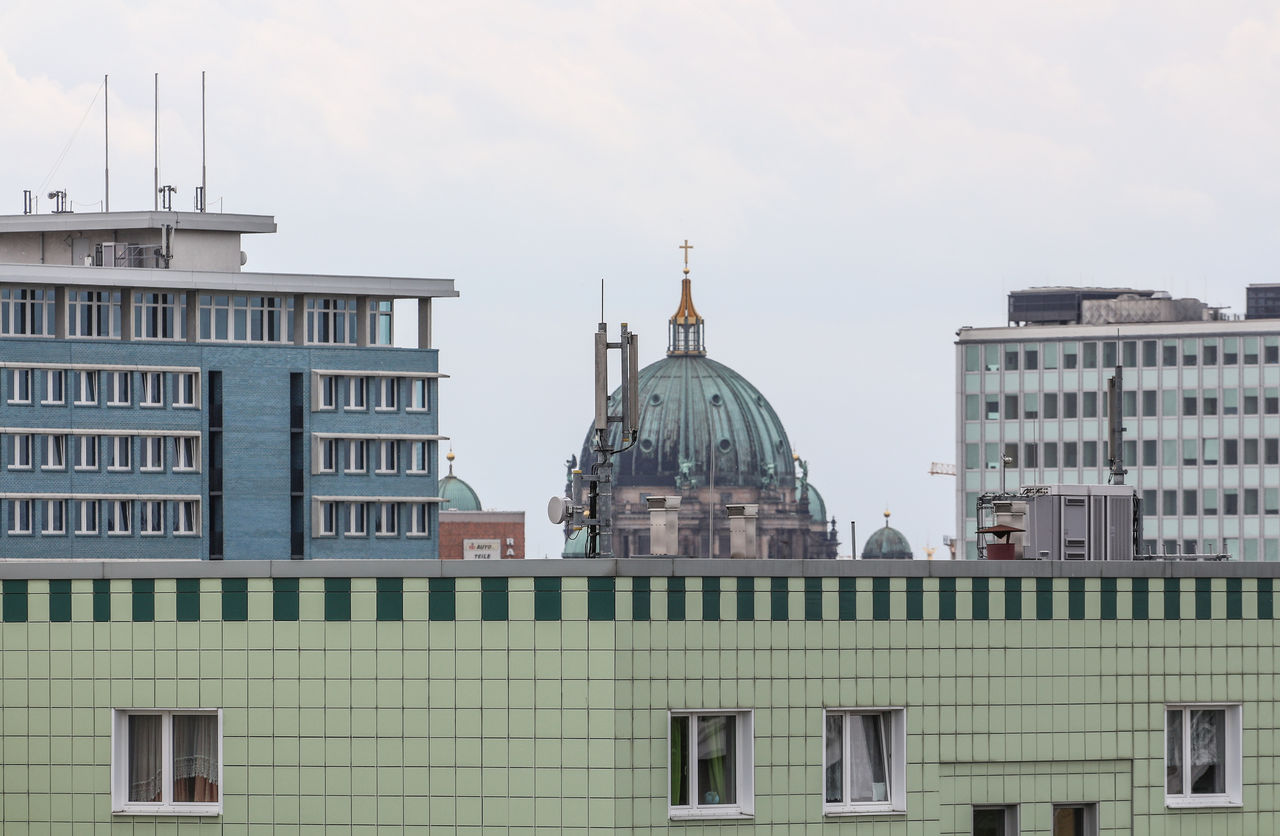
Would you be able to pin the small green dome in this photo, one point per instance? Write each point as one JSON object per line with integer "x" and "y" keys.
{"x": 817, "y": 507}
{"x": 887, "y": 544}
{"x": 457, "y": 494}
{"x": 576, "y": 546}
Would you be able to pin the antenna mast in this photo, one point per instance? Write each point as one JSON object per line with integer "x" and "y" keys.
{"x": 204, "y": 177}
{"x": 155, "y": 191}
{"x": 106, "y": 144}
{"x": 1115, "y": 428}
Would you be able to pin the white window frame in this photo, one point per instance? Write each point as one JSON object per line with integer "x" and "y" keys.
{"x": 47, "y": 526}
{"x": 152, "y": 458}
{"x": 357, "y": 395}
{"x": 419, "y": 395}
{"x": 744, "y": 770}
{"x": 121, "y": 450}
{"x": 27, "y": 311}
{"x": 93, "y": 313}
{"x": 182, "y": 526}
{"x": 419, "y": 519}
{"x": 87, "y": 387}
{"x": 357, "y": 460}
{"x": 1011, "y": 816}
{"x": 186, "y": 389}
{"x": 119, "y": 517}
{"x": 152, "y": 394}
{"x": 159, "y": 316}
{"x": 88, "y": 523}
{"x": 357, "y": 520}
{"x": 324, "y": 393}
{"x": 119, "y": 388}
{"x": 20, "y": 511}
{"x": 386, "y": 519}
{"x": 20, "y": 385}
{"x": 55, "y": 387}
{"x": 120, "y": 805}
{"x": 55, "y": 452}
{"x": 150, "y": 517}
{"x": 86, "y": 452}
{"x": 324, "y": 519}
{"x": 893, "y": 731}
{"x": 388, "y": 456}
{"x": 20, "y": 451}
{"x": 186, "y": 454}
{"x": 419, "y": 463}
{"x": 388, "y": 389}
{"x": 326, "y": 316}
{"x": 324, "y": 453}
{"x": 1233, "y": 747}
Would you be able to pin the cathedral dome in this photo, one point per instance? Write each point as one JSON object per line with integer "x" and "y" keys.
{"x": 887, "y": 544}
{"x": 817, "y": 506}
{"x": 457, "y": 494}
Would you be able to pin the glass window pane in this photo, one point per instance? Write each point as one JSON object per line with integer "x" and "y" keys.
{"x": 867, "y": 778}
{"x": 1173, "y": 752}
{"x": 835, "y": 759}
{"x": 1068, "y": 821}
{"x": 145, "y": 767}
{"x": 679, "y": 761}
{"x": 990, "y": 822}
{"x": 195, "y": 758}
{"x": 1208, "y": 751}
{"x": 717, "y": 760}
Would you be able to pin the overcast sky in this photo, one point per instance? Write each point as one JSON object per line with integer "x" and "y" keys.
{"x": 858, "y": 180}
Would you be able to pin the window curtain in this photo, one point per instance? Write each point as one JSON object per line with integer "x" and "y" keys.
{"x": 867, "y": 779}
{"x": 1208, "y": 752}
{"x": 195, "y": 758}
{"x": 1173, "y": 753}
{"x": 835, "y": 759}
{"x": 717, "y": 751}
{"x": 144, "y": 758}
{"x": 679, "y": 761}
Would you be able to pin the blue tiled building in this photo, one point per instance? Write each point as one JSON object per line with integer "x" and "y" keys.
{"x": 156, "y": 401}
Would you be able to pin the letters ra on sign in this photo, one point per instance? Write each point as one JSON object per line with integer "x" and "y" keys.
{"x": 482, "y": 549}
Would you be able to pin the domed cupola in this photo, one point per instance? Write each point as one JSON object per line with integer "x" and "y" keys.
{"x": 457, "y": 494}
{"x": 887, "y": 544}
{"x": 701, "y": 423}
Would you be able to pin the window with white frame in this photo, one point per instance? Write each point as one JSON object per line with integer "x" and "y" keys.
{"x": 418, "y": 395}
{"x": 326, "y": 455}
{"x": 387, "y": 394}
{"x": 152, "y": 453}
{"x": 185, "y": 390}
{"x": 388, "y": 461}
{"x": 864, "y": 760}
{"x": 55, "y": 386}
{"x": 120, "y": 453}
{"x": 20, "y": 452}
{"x": 995, "y": 820}
{"x": 166, "y": 762}
{"x": 87, "y": 516}
{"x": 356, "y": 389}
{"x": 20, "y": 385}
{"x": 419, "y": 519}
{"x": 118, "y": 516}
{"x": 254, "y": 319}
{"x": 326, "y": 519}
{"x": 381, "y": 312}
{"x": 160, "y": 316}
{"x": 186, "y": 453}
{"x": 93, "y": 313}
{"x": 55, "y": 452}
{"x": 356, "y": 454}
{"x": 418, "y": 463}
{"x": 1202, "y": 755}
{"x": 19, "y": 516}
{"x": 186, "y": 517}
{"x": 86, "y": 452}
{"x": 357, "y": 519}
{"x": 710, "y": 765}
{"x": 386, "y": 520}
{"x": 118, "y": 388}
{"x": 87, "y": 387}
{"x": 326, "y": 391}
{"x": 55, "y": 516}
{"x": 150, "y": 517}
{"x": 152, "y": 389}
{"x": 331, "y": 320}
{"x": 27, "y": 312}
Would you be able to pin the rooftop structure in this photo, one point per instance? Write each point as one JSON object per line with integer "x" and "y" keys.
{"x": 157, "y": 401}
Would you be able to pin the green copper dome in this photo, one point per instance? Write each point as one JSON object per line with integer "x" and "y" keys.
{"x": 700, "y": 422}
{"x": 817, "y": 507}
{"x": 887, "y": 544}
{"x": 457, "y": 494}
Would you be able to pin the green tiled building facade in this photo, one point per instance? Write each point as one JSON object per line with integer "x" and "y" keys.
{"x": 537, "y": 698}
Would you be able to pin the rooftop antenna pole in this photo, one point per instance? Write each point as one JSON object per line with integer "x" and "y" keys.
{"x": 204, "y": 175}
{"x": 106, "y": 144}
{"x": 1115, "y": 428}
{"x": 155, "y": 193}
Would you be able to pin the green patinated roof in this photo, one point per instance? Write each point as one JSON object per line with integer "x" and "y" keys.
{"x": 457, "y": 494}
{"x": 817, "y": 507}
{"x": 887, "y": 544}
{"x": 576, "y": 546}
{"x": 695, "y": 412}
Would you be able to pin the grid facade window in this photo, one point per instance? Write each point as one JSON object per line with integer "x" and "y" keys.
{"x": 27, "y": 312}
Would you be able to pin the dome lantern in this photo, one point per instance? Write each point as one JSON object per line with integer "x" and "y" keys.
{"x": 685, "y": 328}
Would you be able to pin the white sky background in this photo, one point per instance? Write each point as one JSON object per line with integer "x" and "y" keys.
{"x": 858, "y": 179}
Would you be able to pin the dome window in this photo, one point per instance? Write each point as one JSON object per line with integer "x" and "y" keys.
{"x": 716, "y": 400}
{"x": 655, "y": 399}
{"x": 725, "y": 446}
{"x": 646, "y": 444}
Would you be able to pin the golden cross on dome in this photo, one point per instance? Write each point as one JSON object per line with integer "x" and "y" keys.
{"x": 686, "y": 246}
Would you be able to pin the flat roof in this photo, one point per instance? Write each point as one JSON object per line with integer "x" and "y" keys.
{"x": 1118, "y": 330}
{"x": 83, "y": 221}
{"x": 230, "y": 282}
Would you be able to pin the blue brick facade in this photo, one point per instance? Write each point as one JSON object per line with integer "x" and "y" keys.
{"x": 255, "y": 418}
